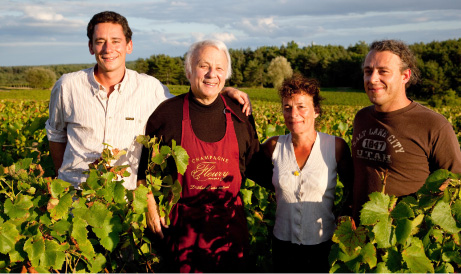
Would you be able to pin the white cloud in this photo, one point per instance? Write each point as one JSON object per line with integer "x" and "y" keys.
{"x": 179, "y": 4}
{"x": 198, "y": 36}
{"x": 225, "y": 37}
{"x": 42, "y": 13}
{"x": 259, "y": 25}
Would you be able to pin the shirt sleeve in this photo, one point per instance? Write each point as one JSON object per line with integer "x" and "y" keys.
{"x": 446, "y": 152}
{"x": 56, "y": 127}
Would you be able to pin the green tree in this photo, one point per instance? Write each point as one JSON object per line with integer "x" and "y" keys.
{"x": 169, "y": 70}
{"x": 238, "y": 65}
{"x": 254, "y": 74}
{"x": 141, "y": 65}
{"x": 434, "y": 80}
{"x": 445, "y": 98}
{"x": 279, "y": 69}
{"x": 39, "y": 77}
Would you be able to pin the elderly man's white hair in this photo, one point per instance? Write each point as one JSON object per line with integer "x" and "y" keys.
{"x": 207, "y": 43}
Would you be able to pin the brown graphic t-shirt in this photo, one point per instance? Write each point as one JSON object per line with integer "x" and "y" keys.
{"x": 409, "y": 143}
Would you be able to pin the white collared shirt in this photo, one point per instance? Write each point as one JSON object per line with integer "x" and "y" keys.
{"x": 305, "y": 197}
{"x": 82, "y": 115}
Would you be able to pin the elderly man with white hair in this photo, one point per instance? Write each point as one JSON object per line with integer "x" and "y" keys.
{"x": 208, "y": 231}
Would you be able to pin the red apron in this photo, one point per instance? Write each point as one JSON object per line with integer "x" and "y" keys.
{"x": 208, "y": 224}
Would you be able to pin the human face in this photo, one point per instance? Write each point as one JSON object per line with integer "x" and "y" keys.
{"x": 208, "y": 74}
{"x": 299, "y": 113}
{"x": 109, "y": 46}
{"x": 384, "y": 81}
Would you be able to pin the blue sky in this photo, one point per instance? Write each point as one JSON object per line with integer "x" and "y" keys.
{"x": 54, "y": 32}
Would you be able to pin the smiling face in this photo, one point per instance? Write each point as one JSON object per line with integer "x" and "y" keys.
{"x": 299, "y": 113}
{"x": 110, "y": 47}
{"x": 384, "y": 81}
{"x": 208, "y": 73}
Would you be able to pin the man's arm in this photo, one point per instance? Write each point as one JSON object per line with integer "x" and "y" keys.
{"x": 446, "y": 151}
{"x": 56, "y": 128}
{"x": 57, "y": 154}
{"x": 154, "y": 221}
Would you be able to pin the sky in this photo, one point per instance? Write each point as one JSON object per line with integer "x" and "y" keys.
{"x": 49, "y": 32}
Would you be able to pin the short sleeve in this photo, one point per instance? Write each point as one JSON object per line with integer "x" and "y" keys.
{"x": 56, "y": 128}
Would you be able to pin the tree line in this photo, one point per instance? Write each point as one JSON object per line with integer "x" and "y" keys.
{"x": 332, "y": 65}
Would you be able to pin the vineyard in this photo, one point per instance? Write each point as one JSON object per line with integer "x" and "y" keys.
{"x": 47, "y": 226}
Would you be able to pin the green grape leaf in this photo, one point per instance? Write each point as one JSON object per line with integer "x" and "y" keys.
{"x": 98, "y": 263}
{"x": 381, "y": 268}
{"x": 92, "y": 182}
{"x": 434, "y": 181}
{"x": 246, "y": 195}
{"x": 249, "y": 183}
{"x": 393, "y": 261}
{"x": 9, "y": 235}
{"x": 96, "y": 213}
{"x": 140, "y": 199}
{"x": 383, "y": 233}
{"x": 349, "y": 239}
{"x": 270, "y": 130}
{"x": 20, "y": 207}
{"x": 23, "y": 164}
{"x": 343, "y": 127}
{"x": 34, "y": 250}
{"x": 119, "y": 193}
{"x": 262, "y": 194}
{"x": 79, "y": 209}
{"x": 375, "y": 210}
{"x": 438, "y": 235}
{"x": 61, "y": 227}
{"x": 456, "y": 209}
{"x": 165, "y": 151}
{"x": 444, "y": 268}
{"x": 368, "y": 253}
{"x": 176, "y": 189}
{"x": 54, "y": 254}
{"x": 340, "y": 255}
{"x": 416, "y": 260}
{"x": 143, "y": 139}
{"x": 415, "y": 224}
{"x": 181, "y": 159}
{"x": 354, "y": 264}
{"x": 157, "y": 157}
{"x": 57, "y": 187}
{"x": 452, "y": 256}
{"x": 107, "y": 192}
{"x": 457, "y": 240}
{"x": 402, "y": 211}
{"x": 62, "y": 208}
{"x": 155, "y": 182}
{"x": 108, "y": 177}
{"x": 108, "y": 232}
{"x": 17, "y": 254}
{"x": 441, "y": 215}
{"x": 403, "y": 230}
{"x": 79, "y": 233}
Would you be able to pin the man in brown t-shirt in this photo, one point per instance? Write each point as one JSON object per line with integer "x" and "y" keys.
{"x": 396, "y": 136}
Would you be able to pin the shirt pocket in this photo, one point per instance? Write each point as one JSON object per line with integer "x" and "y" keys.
{"x": 132, "y": 124}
